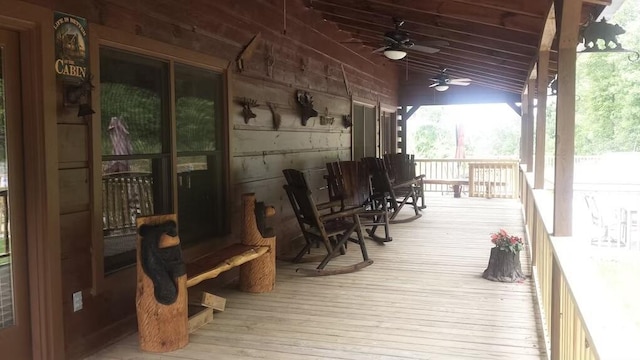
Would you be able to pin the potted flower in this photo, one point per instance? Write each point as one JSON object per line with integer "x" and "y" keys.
{"x": 504, "y": 262}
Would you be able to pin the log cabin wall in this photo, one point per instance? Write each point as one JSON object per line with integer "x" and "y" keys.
{"x": 299, "y": 53}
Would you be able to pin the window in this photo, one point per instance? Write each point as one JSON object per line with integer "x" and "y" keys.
{"x": 137, "y": 128}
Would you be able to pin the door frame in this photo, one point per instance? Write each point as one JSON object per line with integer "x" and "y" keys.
{"x": 39, "y": 102}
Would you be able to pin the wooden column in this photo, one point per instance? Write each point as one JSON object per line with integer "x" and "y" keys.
{"x": 546, "y": 41}
{"x": 259, "y": 275}
{"x": 565, "y": 120}
{"x": 528, "y": 151}
{"x": 541, "y": 118}
{"x": 523, "y": 126}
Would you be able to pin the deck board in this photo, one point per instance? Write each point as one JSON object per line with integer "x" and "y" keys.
{"x": 423, "y": 298}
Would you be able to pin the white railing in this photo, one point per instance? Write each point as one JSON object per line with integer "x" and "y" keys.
{"x": 484, "y": 177}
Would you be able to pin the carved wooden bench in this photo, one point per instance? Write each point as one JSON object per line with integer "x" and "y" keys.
{"x": 164, "y": 328}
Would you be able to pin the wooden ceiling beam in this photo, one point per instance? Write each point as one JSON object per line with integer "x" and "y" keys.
{"x": 370, "y": 34}
{"x": 416, "y": 32}
{"x": 451, "y": 10}
{"x": 436, "y": 59}
{"x": 431, "y": 70}
{"x": 524, "y": 7}
{"x": 433, "y": 24}
{"x": 448, "y": 57}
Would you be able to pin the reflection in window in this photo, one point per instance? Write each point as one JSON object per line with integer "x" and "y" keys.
{"x": 136, "y": 165}
{"x": 6, "y": 286}
{"x": 200, "y": 182}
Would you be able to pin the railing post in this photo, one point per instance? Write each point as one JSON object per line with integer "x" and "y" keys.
{"x": 556, "y": 314}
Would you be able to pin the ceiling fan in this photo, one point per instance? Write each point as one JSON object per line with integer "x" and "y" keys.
{"x": 442, "y": 81}
{"x": 397, "y": 41}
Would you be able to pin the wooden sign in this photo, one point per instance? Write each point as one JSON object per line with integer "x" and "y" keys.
{"x": 71, "y": 47}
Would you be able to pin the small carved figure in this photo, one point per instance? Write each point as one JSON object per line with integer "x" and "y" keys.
{"x": 247, "y": 104}
{"x": 276, "y": 117}
{"x": 306, "y": 105}
{"x": 601, "y": 30}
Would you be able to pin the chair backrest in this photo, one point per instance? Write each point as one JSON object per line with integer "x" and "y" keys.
{"x": 380, "y": 181}
{"x": 401, "y": 167}
{"x": 348, "y": 181}
{"x": 125, "y": 196}
{"x": 301, "y": 198}
{"x": 596, "y": 217}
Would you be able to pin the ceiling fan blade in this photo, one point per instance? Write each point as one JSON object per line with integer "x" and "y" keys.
{"x": 434, "y": 85}
{"x": 434, "y": 43}
{"x": 380, "y": 49}
{"x": 459, "y": 83}
{"x": 424, "y": 49}
{"x": 461, "y": 79}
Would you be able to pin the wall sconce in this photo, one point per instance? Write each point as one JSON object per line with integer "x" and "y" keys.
{"x": 79, "y": 94}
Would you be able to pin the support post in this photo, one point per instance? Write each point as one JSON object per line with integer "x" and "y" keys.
{"x": 541, "y": 118}
{"x": 565, "y": 118}
{"x": 531, "y": 93}
{"x": 546, "y": 42}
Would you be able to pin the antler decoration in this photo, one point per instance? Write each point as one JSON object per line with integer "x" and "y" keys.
{"x": 306, "y": 104}
{"x": 247, "y": 104}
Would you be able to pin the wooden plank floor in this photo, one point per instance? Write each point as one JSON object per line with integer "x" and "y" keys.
{"x": 423, "y": 298}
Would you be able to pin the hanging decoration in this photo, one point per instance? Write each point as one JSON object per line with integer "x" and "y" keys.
{"x": 305, "y": 100}
{"x": 71, "y": 48}
{"x": 247, "y": 104}
{"x": 600, "y": 36}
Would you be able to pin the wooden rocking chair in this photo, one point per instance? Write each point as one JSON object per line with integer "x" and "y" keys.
{"x": 333, "y": 229}
{"x": 397, "y": 196}
{"x": 402, "y": 173}
{"x": 349, "y": 183}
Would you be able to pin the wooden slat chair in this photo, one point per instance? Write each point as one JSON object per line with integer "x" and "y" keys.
{"x": 397, "y": 196}
{"x": 349, "y": 182}
{"x": 333, "y": 229}
{"x": 402, "y": 173}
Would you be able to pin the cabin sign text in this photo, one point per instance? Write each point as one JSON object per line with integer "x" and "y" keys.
{"x": 71, "y": 41}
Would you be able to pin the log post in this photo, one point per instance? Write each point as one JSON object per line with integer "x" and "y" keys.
{"x": 161, "y": 328}
{"x": 259, "y": 275}
{"x": 504, "y": 266}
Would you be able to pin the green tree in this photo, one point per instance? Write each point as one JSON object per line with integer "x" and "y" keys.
{"x": 608, "y": 93}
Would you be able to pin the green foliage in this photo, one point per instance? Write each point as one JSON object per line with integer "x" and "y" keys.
{"x": 142, "y": 112}
{"x": 608, "y": 93}
{"x": 196, "y": 124}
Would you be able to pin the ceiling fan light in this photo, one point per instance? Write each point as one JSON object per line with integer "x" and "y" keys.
{"x": 441, "y": 87}
{"x": 394, "y": 54}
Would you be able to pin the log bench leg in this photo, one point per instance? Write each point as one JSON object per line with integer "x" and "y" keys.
{"x": 258, "y": 275}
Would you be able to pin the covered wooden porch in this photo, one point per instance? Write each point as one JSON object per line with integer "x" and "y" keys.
{"x": 423, "y": 298}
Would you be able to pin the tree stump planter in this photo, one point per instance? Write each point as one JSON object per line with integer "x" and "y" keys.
{"x": 504, "y": 266}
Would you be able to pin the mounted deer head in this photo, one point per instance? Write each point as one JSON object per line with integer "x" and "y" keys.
{"x": 306, "y": 104}
{"x": 247, "y": 104}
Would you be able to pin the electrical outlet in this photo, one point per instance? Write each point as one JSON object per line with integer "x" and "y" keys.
{"x": 77, "y": 301}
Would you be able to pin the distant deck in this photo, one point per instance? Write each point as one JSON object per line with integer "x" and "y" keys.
{"x": 423, "y": 298}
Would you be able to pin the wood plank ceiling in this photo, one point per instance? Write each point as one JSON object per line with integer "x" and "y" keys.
{"x": 493, "y": 42}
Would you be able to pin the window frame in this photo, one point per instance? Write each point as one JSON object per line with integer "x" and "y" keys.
{"x": 102, "y": 36}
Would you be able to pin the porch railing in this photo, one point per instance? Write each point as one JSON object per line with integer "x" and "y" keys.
{"x": 566, "y": 333}
{"x": 485, "y": 177}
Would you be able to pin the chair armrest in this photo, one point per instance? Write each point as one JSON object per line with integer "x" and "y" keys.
{"x": 342, "y": 213}
{"x": 329, "y": 204}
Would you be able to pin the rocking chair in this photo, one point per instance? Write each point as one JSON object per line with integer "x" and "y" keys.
{"x": 348, "y": 182}
{"x": 333, "y": 229}
{"x": 397, "y": 196}
{"x": 402, "y": 173}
